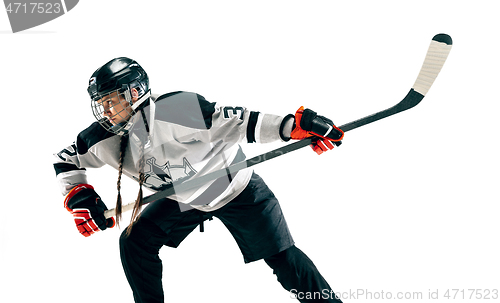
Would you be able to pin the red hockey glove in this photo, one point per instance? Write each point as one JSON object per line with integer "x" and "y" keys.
{"x": 87, "y": 209}
{"x": 308, "y": 124}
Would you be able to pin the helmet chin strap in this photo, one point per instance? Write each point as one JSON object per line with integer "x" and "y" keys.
{"x": 141, "y": 100}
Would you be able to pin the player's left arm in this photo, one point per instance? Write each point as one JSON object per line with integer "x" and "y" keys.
{"x": 265, "y": 128}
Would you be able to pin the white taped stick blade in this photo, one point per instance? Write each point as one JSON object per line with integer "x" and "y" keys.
{"x": 434, "y": 60}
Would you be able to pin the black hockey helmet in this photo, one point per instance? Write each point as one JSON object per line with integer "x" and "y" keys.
{"x": 118, "y": 76}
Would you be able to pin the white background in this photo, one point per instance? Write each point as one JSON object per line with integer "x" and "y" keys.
{"x": 407, "y": 204}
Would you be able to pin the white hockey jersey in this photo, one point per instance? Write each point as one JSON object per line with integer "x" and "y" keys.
{"x": 186, "y": 137}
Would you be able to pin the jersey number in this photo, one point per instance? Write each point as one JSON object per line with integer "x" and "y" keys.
{"x": 230, "y": 112}
{"x": 63, "y": 154}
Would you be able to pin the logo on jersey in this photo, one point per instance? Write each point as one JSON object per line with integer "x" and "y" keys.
{"x": 157, "y": 177}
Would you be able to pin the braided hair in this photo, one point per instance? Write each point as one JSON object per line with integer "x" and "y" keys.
{"x": 139, "y": 200}
{"x": 123, "y": 147}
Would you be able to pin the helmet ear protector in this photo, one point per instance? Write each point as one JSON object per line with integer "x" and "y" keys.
{"x": 127, "y": 94}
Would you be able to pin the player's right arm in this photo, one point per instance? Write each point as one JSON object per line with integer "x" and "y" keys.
{"x": 81, "y": 200}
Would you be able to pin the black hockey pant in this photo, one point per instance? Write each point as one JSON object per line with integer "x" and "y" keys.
{"x": 143, "y": 268}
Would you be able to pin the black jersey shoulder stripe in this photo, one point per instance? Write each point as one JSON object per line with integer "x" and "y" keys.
{"x": 91, "y": 136}
{"x": 65, "y": 167}
{"x": 186, "y": 109}
{"x": 252, "y": 123}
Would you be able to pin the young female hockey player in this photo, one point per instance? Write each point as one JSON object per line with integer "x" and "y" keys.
{"x": 160, "y": 139}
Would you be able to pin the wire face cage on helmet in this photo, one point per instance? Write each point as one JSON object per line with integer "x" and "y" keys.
{"x": 113, "y": 110}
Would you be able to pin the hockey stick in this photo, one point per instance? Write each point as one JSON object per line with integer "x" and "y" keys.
{"x": 434, "y": 60}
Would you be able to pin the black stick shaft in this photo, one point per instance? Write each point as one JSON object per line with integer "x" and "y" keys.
{"x": 435, "y": 58}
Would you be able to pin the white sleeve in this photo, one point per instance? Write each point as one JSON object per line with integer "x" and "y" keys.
{"x": 70, "y": 167}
